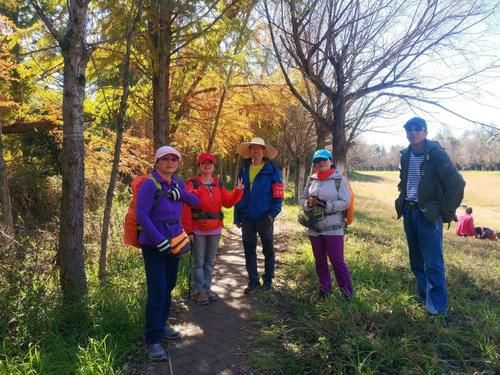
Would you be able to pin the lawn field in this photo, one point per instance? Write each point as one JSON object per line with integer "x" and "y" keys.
{"x": 482, "y": 193}
{"x": 383, "y": 329}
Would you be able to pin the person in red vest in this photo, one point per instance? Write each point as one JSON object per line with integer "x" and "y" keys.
{"x": 204, "y": 223}
{"x": 465, "y": 225}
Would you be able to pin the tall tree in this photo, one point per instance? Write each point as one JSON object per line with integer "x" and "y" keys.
{"x": 121, "y": 121}
{"x": 366, "y": 58}
{"x": 7, "y": 66}
{"x": 173, "y": 25}
{"x": 71, "y": 39}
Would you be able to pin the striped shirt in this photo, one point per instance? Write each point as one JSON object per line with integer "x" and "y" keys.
{"x": 413, "y": 180}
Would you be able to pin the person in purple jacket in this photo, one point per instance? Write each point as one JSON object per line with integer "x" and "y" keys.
{"x": 159, "y": 219}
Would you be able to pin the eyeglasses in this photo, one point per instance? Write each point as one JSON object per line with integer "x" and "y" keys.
{"x": 319, "y": 160}
{"x": 415, "y": 129}
{"x": 168, "y": 158}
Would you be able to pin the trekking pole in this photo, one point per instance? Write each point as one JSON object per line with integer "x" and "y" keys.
{"x": 189, "y": 277}
{"x": 169, "y": 359}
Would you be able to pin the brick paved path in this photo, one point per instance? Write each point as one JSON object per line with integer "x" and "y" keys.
{"x": 214, "y": 336}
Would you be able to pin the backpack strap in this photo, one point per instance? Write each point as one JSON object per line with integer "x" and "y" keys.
{"x": 338, "y": 181}
{"x": 196, "y": 184}
{"x": 159, "y": 193}
{"x": 343, "y": 213}
{"x": 198, "y": 214}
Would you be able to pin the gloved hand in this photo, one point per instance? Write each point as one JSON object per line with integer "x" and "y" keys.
{"x": 174, "y": 194}
{"x": 164, "y": 246}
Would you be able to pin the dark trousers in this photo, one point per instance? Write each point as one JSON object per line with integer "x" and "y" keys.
{"x": 161, "y": 277}
{"x": 425, "y": 243}
{"x": 264, "y": 228}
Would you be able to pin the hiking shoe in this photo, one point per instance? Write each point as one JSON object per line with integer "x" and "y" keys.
{"x": 156, "y": 352}
{"x": 323, "y": 295}
{"x": 251, "y": 288}
{"x": 202, "y": 298}
{"x": 441, "y": 319}
{"x": 268, "y": 287}
{"x": 212, "y": 297}
{"x": 171, "y": 334}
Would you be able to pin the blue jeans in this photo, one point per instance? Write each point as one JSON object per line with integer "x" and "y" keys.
{"x": 161, "y": 277}
{"x": 204, "y": 252}
{"x": 425, "y": 243}
{"x": 249, "y": 230}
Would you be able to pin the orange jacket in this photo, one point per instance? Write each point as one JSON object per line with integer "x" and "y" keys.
{"x": 210, "y": 202}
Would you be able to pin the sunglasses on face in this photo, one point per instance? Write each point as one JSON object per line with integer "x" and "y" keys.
{"x": 319, "y": 160}
{"x": 414, "y": 129}
{"x": 168, "y": 158}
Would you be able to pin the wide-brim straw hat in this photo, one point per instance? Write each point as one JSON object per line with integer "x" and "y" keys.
{"x": 244, "y": 148}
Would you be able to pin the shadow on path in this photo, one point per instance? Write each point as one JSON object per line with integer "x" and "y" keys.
{"x": 215, "y": 336}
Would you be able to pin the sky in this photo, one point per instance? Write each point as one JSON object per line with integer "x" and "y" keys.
{"x": 486, "y": 111}
{"x": 482, "y": 105}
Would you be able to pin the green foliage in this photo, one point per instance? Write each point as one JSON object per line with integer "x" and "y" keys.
{"x": 41, "y": 334}
{"x": 41, "y": 150}
{"x": 35, "y": 197}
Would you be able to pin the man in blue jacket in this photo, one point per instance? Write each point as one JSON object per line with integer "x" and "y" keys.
{"x": 256, "y": 211}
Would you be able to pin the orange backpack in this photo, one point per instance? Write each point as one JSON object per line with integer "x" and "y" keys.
{"x": 130, "y": 227}
{"x": 350, "y": 212}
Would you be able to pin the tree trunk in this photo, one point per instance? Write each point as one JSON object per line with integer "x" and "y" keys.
{"x": 285, "y": 173}
{"x": 321, "y": 134}
{"x": 222, "y": 98}
{"x": 339, "y": 139}
{"x": 161, "y": 34}
{"x": 300, "y": 177}
{"x": 223, "y": 170}
{"x": 7, "y": 222}
{"x": 76, "y": 56}
{"x": 121, "y": 120}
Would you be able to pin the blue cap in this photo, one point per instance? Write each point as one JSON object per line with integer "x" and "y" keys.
{"x": 416, "y": 122}
{"x": 322, "y": 154}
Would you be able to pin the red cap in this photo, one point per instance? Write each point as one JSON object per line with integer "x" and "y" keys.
{"x": 206, "y": 156}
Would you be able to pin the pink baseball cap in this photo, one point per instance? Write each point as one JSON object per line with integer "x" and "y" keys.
{"x": 166, "y": 150}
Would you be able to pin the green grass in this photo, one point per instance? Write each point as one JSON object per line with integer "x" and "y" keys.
{"x": 383, "y": 330}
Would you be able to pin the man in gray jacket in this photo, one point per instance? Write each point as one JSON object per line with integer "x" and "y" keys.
{"x": 430, "y": 190}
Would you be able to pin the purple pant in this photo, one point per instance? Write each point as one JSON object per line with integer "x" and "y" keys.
{"x": 333, "y": 247}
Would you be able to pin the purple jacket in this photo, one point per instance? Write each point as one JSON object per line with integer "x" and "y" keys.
{"x": 164, "y": 220}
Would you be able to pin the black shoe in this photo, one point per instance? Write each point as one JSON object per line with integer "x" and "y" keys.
{"x": 323, "y": 295}
{"x": 442, "y": 319}
{"x": 251, "y": 288}
{"x": 268, "y": 287}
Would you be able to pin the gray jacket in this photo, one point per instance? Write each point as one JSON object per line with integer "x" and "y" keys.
{"x": 336, "y": 202}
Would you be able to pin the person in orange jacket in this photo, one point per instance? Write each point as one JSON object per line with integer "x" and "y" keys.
{"x": 205, "y": 222}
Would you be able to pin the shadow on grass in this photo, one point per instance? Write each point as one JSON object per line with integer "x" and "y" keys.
{"x": 383, "y": 330}
{"x": 290, "y": 201}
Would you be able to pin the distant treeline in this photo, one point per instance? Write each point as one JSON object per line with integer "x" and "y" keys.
{"x": 478, "y": 149}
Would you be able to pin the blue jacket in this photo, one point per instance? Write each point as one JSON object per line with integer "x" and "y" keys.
{"x": 164, "y": 220}
{"x": 259, "y": 201}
